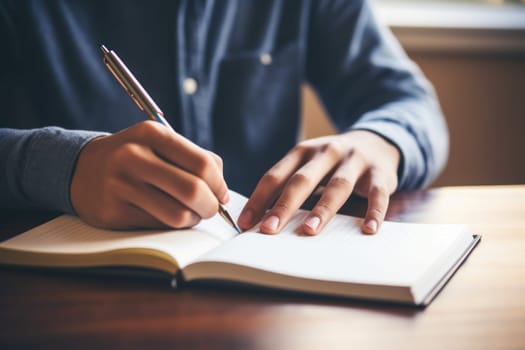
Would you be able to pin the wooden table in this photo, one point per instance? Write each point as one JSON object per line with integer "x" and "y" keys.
{"x": 482, "y": 307}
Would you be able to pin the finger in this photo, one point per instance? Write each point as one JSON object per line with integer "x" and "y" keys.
{"x": 132, "y": 217}
{"x": 335, "y": 194}
{"x": 378, "y": 199}
{"x": 226, "y": 197}
{"x": 298, "y": 188}
{"x": 141, "y": 165}
{"x": 268, "y": 188}
{"x": 180, "y": 151}
{"x": 217, "y": 159}
{"x": 157, "y": 204}
{"x": 122, "y": 215}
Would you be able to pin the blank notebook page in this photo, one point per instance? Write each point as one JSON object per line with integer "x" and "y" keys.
{"x": 399, "y": 254}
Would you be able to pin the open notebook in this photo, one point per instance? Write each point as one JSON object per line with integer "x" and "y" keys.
{"x": 406, "y": 263}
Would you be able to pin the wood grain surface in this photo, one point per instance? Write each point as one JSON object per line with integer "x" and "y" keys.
{"x": 482, "y": 307}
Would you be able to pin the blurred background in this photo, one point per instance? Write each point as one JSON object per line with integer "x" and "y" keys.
{"x": 473, "y": 51}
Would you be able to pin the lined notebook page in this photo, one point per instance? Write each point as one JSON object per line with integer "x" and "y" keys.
{"x": 399, "y": 254}
{"x": 69, "y": 235}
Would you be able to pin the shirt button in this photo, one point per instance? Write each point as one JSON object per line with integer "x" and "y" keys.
{"x": 265, "y": 59}
{"x": 190, "y": 86}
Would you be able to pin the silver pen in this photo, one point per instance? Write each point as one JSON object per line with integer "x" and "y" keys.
{"x": 143, "y": 100}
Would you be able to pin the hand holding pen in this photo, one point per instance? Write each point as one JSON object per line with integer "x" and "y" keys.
{"x": 147, "y": 175}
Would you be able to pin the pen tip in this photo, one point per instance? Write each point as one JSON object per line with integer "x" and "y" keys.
{"x": 104, "y": 49}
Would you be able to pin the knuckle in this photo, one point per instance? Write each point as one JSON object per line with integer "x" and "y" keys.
{"x": 198, "y": 196}
{"x": 300, "y": 179}
{"x": 376, "y": 213}
{"x": 149, "y": 130}
{"x": 333, "y": 149}
{"x": 358, "y": 155}
{"x": 217, "y": 159}
{"x": 205, "y": 166}
{"x": 194, "y": 190}
{"x": 379, "y": 191}
{"x": 301, "y": 148}
{"x": 127, "y": 153}
{"x": 323, "y": 210}
{"x": 144, "y": 129}
{"x": 281, "y": 207}
{"x": 271, "y": 179}
{"x": 340, "y": 182}
{"x": 305, "y": 149}
{"x": 183, "y": 218}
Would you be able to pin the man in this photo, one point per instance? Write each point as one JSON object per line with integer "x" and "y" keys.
{"x": 227, "y": 75}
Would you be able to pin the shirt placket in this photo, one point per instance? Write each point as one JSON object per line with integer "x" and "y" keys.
{"x": 192, "y": 77}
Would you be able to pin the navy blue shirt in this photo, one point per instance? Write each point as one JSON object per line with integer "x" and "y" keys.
{"x": 227, "y": 74}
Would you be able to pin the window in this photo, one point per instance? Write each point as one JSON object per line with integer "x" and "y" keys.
{"x": 457, "y": 25}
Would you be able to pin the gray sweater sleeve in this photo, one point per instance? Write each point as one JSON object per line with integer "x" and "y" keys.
{"x": 37, "y": 167}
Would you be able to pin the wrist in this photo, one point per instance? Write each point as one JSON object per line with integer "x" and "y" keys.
{"x": 51, "y": 157}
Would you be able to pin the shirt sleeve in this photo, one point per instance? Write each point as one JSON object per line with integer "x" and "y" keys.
{"x": 366, "y": 81}
{"x": 38, "y": 166}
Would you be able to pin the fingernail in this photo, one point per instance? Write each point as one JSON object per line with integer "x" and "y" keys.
{"x": 246, "y": 217}
{"x": 313, "y": 222}
{"x": 371, "y": 226}
{"x": 271, "y": 223}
